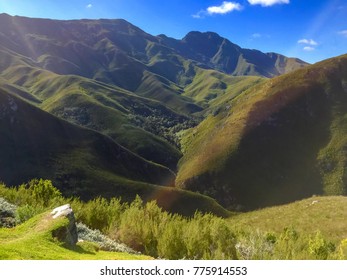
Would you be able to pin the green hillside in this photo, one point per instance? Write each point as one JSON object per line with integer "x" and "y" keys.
{"x": 279, "y": 141}
{"x": 34, "y": 240}
{"x": 325, "y": 214}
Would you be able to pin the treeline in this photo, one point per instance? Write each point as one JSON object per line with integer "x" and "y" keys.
{"x": 147, "y": 228}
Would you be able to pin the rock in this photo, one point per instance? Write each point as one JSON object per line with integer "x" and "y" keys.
{"x": 314, "y": 202}
{"x": 64, "y": 210}
{"x": 68, "y": 233}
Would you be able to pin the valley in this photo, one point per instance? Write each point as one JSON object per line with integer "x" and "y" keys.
{"x": 102, "y": 108}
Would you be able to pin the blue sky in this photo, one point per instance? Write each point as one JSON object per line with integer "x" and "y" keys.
{"x": 312, "y": 30}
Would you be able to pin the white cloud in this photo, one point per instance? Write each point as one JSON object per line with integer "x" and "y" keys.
{"x": 343, "y": 33}
{"x": 256, "y": 35}
{"x": 200, "y": 14}
{"x": 89, "y": 6}
{"x": 225, "y": 8}
{"x": 310, "y": 42}
{"x": 308, "y": 49}
{"x": 268, "y": 3}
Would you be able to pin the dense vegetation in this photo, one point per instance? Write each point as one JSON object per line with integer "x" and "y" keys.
{"x": 149, "y": 229}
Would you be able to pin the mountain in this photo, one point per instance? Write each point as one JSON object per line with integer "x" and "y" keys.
{"x": 279, "y": 141}
{"x": 77, "y": 69}
{"x": 219, "y": 53}
{"x": 105, "y": 107}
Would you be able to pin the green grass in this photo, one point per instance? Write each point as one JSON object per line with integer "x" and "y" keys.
{"x": 33, "y": 240}
{"x": 313, "y": 228}
{"x": 326, "y": 214}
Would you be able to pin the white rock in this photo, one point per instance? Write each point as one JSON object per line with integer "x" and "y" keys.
{"x": 63, "y": 210}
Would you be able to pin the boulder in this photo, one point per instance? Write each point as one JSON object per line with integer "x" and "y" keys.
{"x": 67, "y": 234}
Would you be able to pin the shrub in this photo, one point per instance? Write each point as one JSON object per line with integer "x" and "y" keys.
{"x": 26, "y": 212}
{"x": 36, "y": 192}
{"x": 7, "y": 213}
{"x": 319, "y": 248}
{"x": 171, "y": 243}
{"x": 140, "y": 226}
{"x": 99, "y": 213}
{"x": 44, "y": 192}
{"x": 105, "y": 243}
{"x": 342, "y": 250}
{"x": 255, "y": 246}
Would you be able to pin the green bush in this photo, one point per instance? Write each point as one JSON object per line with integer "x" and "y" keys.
{"x": 37, "y": 192}
{"x": 99, "y": 213}
{"x": 43, "y": 191}
{"x": 171, "y": 243}
{"x": 342, "y": 250}
{"x": 27, "y": 211}
{"x": 320, "y": 248}
{"x": 140, "y": 226}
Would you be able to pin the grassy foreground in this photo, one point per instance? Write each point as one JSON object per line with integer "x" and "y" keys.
{"x": 33, "y": 240}
{"x": 314, "y": 228}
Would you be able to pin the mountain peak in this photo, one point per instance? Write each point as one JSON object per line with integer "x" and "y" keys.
{"x": 206, "y": 35}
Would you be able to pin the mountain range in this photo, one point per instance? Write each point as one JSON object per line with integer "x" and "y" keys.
{"x": 103, "y": 108}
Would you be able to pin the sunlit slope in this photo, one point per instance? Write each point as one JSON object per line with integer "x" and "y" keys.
{"x": 324, "y": 214}
{"x": 35, "y": 240}
{"x": 212, "y": 89}
{"x": 282, "y": 140}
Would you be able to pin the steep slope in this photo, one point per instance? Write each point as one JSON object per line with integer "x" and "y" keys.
{"x": 41, "y": 145}
{"x": 279, "y": 141}
{"x": 107, "y": 109}
{"x": 82, "y": 162}
{"x": 110, "y": 51}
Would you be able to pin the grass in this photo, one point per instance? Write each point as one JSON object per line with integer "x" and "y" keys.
{"x": 33, "y": 240}
{"x": 314, "y": 228}
{"x": 326, "y": 214}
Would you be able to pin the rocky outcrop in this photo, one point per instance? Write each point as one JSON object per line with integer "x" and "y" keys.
{"x": 68, "y": 233}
